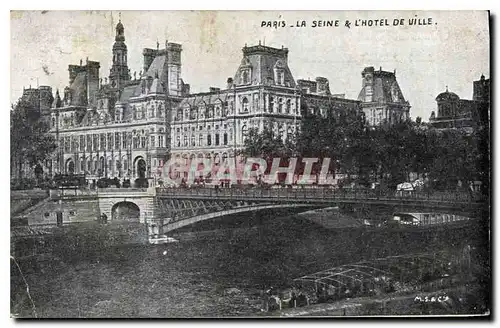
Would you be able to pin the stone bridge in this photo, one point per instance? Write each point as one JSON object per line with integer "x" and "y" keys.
{"x": 172, "y": 208}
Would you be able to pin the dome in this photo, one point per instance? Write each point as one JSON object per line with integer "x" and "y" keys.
{"x": 447, "y": 96}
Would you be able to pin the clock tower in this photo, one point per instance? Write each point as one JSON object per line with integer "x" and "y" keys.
{"x": 119, "y": 72}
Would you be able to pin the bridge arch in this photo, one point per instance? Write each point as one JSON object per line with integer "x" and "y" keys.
{"x": 126, "y": 211}
{"x": 170, "y": 225}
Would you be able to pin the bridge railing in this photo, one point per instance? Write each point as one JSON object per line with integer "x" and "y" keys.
{"x": 319, "y": 193}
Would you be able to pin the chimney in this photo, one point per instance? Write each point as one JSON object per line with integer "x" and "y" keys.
{"x": 322, "y": 87}
{"x": 229, "y": 82}
{"x": 214, "y": 89}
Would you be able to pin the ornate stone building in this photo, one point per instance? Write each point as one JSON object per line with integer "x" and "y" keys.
{"x": 381, "y": 97}
{"x": 119, "y": 127}
{"x": 263, "y": 91}
{"x": 128, "y": 126}
{"x": 453, "y": 112}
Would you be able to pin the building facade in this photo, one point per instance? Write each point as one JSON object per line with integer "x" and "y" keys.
{"x": 127, "y": 126}
{"x": 117, "y": 127}
{"x": 453, "y": 112}
{"x": 381, "y": 98}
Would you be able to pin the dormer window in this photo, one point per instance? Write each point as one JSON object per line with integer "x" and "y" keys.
{"x": 194, "y": 113}
{"x": 279, "y": 73}
{"x": 245, "y": 76}
{"x": 280, "y": 77}
{"x": 210, "y": 112}
{"x": 246, "y": 71}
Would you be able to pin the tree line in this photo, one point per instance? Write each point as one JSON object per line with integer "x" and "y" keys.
{"x": 385, "y": 154}
{"x": 31, "y": 144}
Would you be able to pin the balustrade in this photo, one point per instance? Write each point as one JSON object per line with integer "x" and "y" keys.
{"x": 315, "y": 193}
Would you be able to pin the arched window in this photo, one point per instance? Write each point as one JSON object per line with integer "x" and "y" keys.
{"x": 193, "y": 140}
{"x": 201, "y": 140}
{"x": 288, "y": 106}
{"x": 102, "y": 164}
{"x": 217, "y": 139}
{"x": 244, "y": 105}
{"x": 244, "y": 132}
{"x": 185, "y": 140}
{"x": 209, "y": 140}
{"x": 225, "y": 138}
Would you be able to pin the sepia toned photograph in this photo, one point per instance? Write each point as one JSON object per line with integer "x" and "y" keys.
{"x": 250, "y": 164}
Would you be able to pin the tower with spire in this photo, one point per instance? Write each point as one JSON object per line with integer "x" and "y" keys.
{"x": 119, "y": 72}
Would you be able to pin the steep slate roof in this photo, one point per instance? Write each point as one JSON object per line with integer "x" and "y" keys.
{"x": 156, "y": 87}
{"x": 127, "y": 92}
{"x": 383, "y": 83}
{"x": 208, "y": 98}
{"x": 79, "y": 90}
{"x": 87, "y": 118}
{"x": 158, "y": 67}
{"x": 263, "y": 59}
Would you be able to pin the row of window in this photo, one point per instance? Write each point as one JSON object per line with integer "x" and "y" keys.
{"x": 379, "y": 115}
{"x": 211, "y": 140}
{"x": 277, "y": 105}
{"x": 216, "y": 139}
{"x": 109, "y": 141}
{"x": 112, "y": 167}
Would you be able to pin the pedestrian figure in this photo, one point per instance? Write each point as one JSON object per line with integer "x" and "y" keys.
{"x": 293, "y": 300}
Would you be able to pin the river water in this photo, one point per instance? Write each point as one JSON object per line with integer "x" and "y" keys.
{"x": 212, "y": 274}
